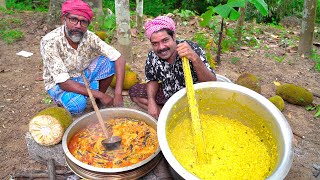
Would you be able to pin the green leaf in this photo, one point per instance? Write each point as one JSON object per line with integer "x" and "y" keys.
{"x": 237, "y": 3}
{"x": 223, "y": 10}
{"x": 318, "y": 112}
{"x": 310, "y": 108}
{"x": 227, "y": 11}
{"x": 234, "y": 15}
{"x": 207, "y": 17}
{"x": 261, "y": 6}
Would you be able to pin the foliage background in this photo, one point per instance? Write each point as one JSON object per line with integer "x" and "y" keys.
{"x": 278, "y": 9}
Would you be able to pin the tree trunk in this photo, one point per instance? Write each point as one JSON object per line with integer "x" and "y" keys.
{"x": 54, "y": 12}
{"x": 123, "y": 28}
{"x": 307, "y": 26}
{"x": 139, "y": 16}
{"x": 3, "y": 4}
{"x": 240, "y": 23}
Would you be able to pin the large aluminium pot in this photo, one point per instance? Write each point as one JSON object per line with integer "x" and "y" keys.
{"x": 235, "y": 102}
{"x": 90, "y": 172}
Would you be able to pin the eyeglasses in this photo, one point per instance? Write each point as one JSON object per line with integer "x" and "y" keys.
{"x": 74, "y": 21}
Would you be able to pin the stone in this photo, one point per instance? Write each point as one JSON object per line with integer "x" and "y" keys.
{"x": 43, "y": 153}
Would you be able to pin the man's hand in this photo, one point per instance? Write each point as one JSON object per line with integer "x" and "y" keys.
{"x": 118, "y": 100}
{"x": 106, "y": 100}
{"x": 185, "y": 50}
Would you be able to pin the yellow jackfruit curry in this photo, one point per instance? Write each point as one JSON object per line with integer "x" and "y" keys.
{"x": 139, "y": 141}
{"x": 233, "y": 150}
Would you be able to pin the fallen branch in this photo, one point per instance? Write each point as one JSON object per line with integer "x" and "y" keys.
{"x": 298, "y": 135}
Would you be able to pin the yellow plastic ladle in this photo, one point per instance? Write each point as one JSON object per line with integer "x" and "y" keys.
{"x": 194, "y": 111}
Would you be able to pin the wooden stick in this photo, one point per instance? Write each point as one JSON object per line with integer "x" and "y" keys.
{"x": 95, "y": 107}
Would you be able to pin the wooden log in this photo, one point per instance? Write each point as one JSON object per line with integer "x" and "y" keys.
{"x": 33, "y": 174}
{"x": 51, "y": 169}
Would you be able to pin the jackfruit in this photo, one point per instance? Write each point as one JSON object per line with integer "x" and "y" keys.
{"x": 250, "y": 81}
{"x": 128, "y": 68}
{"x": 277, "y": 101}
{"x": 130, "y": 79}
{"x": 48, "y": 126}
{"x": 294, "y": 94}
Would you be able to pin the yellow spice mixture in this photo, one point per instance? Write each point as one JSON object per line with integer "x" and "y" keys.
{"x": 233, "y": 150}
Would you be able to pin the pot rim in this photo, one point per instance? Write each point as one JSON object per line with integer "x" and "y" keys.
{"x": 285, "y": 162}
{"x": 106, "y": 170}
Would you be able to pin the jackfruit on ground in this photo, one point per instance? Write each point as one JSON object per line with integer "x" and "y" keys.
{"x": 277, "y": 101}
{"x": 130, "y": 79}
{"x": 294, "y": 94}
{"x": 48, "y": 126}
{"x": 250, "y": 81}
{"x": 101, "y": 34}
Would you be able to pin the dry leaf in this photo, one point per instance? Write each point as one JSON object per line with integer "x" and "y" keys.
{"x": 193, "y": 21}
{"x": 295, "y": 141}
{"x": 274, "y": 36}
{"x": 289, "y": 116}
{"x": 276, "y": 83}
{"x": 134, "y": 32}
{"x": 273, "y": 46}
{"x": 244, "y": 48}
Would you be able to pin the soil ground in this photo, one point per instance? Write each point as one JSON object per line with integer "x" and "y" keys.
{"x": 22, "y": 91}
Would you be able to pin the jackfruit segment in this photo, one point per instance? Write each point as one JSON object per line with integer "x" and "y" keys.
{"x": 48, "y": 126}
{"x": 59, "y": 113}
{"x": 46, "y": 130}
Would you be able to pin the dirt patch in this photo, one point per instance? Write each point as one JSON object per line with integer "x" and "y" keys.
{"x": 22, "y": 94}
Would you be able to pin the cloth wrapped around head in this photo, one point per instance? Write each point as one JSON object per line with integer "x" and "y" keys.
{"x": 77, "y": 7}
{"x": 158, "y": 23}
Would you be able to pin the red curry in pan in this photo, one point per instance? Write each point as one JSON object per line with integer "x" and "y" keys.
{"x": 139, "y": 141}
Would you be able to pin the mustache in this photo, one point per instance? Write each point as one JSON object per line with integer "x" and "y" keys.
{"x": 76, "y": 31}
{"x": 162, "y": 50}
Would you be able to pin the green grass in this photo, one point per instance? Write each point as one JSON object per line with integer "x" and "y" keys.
{"x": 316, "y": 57}
{"x": 11, "y": 36}
{"x": 47, "y": 100}
{"x": 28, "y": 5}
{"x": 8, "y": 33}
{"x": 235, "y": 60}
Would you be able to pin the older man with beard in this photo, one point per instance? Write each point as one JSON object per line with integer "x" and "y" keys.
{"x": 163, "y": 69}
{"x": 72, "y": 49}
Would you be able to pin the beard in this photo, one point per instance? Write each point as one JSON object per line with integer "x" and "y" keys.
{"x": 75, "y": 35}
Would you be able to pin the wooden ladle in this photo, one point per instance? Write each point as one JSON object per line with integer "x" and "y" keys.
{"x": 110, "y": 143}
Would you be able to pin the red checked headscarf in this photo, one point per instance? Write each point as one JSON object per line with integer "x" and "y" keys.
{"x": 158, "y": 23}
{"x": 77, "y": 7}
